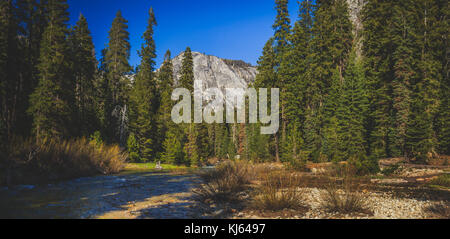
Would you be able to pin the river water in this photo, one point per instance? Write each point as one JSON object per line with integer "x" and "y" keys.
{"x": 138, "y": 195}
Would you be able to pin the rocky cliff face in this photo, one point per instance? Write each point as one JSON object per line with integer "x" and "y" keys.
{"x": 355, "y": 11}
{"x": 215, "y": 72}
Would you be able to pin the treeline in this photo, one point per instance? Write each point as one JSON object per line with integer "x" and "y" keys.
{"x": 382, "y": 92}
{"x": 342, "y": 100}
{"x": 49, "y": 84}
{"x": 53, "y": 87}
{"x": 346, "y": 94}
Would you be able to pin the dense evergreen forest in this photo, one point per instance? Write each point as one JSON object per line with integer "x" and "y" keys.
{"x": 345, "y": 96}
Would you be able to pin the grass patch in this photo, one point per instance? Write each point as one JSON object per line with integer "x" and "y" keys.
{"x": 279, "y": 191}
{"x": 224, "y": 183}
{"x": 152, "y": 166}
{"x": 54, "y": 160}
{"x": 342, "y": 194}
{"x": 441, "y": 181}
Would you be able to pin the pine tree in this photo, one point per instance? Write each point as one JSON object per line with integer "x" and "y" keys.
{"x": 84, "y": 70}
{"x": 117, "y": 66}
{"x": 144, "y": 97}
{"x": 173, "y": 147}
{"x": 282, "y": 28}
{"x": 330, "y": 48}
{"x": 441, "y": 31}
{"x": 202, "y": 142}
{"x": 166, "y": 84}
{"x": 187, "y": 81}
{"x": 187, "y": 71}
{"x": 293, "y": 151}
{"x": 352, "y": 113}
{"x": 419, "y": 144}
{"x": 334, "y": 110}
{"x": 267, "y": 76}
{"x": 117, "y": 55}
{"x": 426, "y": 91}
{"x": 197, "y": 147}
{"x": 444, "y": 123}
{"x": 404, "y": 73}
{"x": 172, "y": 134}
{"x": 190, "y": 148}
{"x": 32, "y": 17}
{"x": 332, "y": 41}
{"x": 266, "y": 66}
{"x": 294, "y": 65}
{"x": 421, "y": 136}
{"x": 51, "y": 101}
{"x": 103, "y": 96}
{"x": 8, "y": 46}
{"x": 292, "y": 71}
{"x": 378, "y": 48}
{"x": 133, "y": 148}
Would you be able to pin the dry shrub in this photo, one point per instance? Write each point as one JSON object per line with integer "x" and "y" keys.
{"x": 439, "y": 210}
{"x": 62, "y": 159}
{"x": 259, "y": 172}
{"x": 279, "y": 191}
{"x": 342, "y": 194}
{"x": 224, "y": 183}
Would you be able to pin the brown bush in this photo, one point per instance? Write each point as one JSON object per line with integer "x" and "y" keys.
{"x": 439, "y": 210}
{"x": 225, "y": 183}
{"x": 279, "y": 191}
{"x": 342, "y": 194}
{"x": 259, "y": 172}
{"x": 60, "y": 160}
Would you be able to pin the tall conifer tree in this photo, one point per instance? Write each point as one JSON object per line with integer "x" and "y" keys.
{"x": 330, "y": 48}
{"x": 9, "y": 80}
{"x": 32, "y": 17}
{"x": 144, "y": 96}
{"x": 83, "y": 70}
{"x": 292, "y": 70}
{"x": 378, "y": 48}
{"x": 172, "y": 134}
{"x": 166, "y": 84}
{"x": 352, "y": 113}
{"x": 403, "y": 36}
{"x": 117, "y": 66}
{"x": 187, "y": 82}
{"x": 264, "y": 79}
{"x": 52, "y": 100}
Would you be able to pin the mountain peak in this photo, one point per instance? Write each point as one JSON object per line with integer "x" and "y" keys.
{"x": 216, "y": 72}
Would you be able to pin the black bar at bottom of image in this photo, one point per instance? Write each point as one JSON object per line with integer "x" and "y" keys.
{"x": 235, "y": 228}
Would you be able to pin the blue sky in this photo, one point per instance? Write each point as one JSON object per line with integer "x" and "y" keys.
{"x": 232, "y": 29}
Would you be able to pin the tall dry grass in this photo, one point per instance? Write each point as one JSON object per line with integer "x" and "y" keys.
{"x": 439, "y": 210}
{"x": 30, "y": 162}
{"x": 224, "y": 183}
{"x": 343, "y": 192}
{"x": 279, "y": 191}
